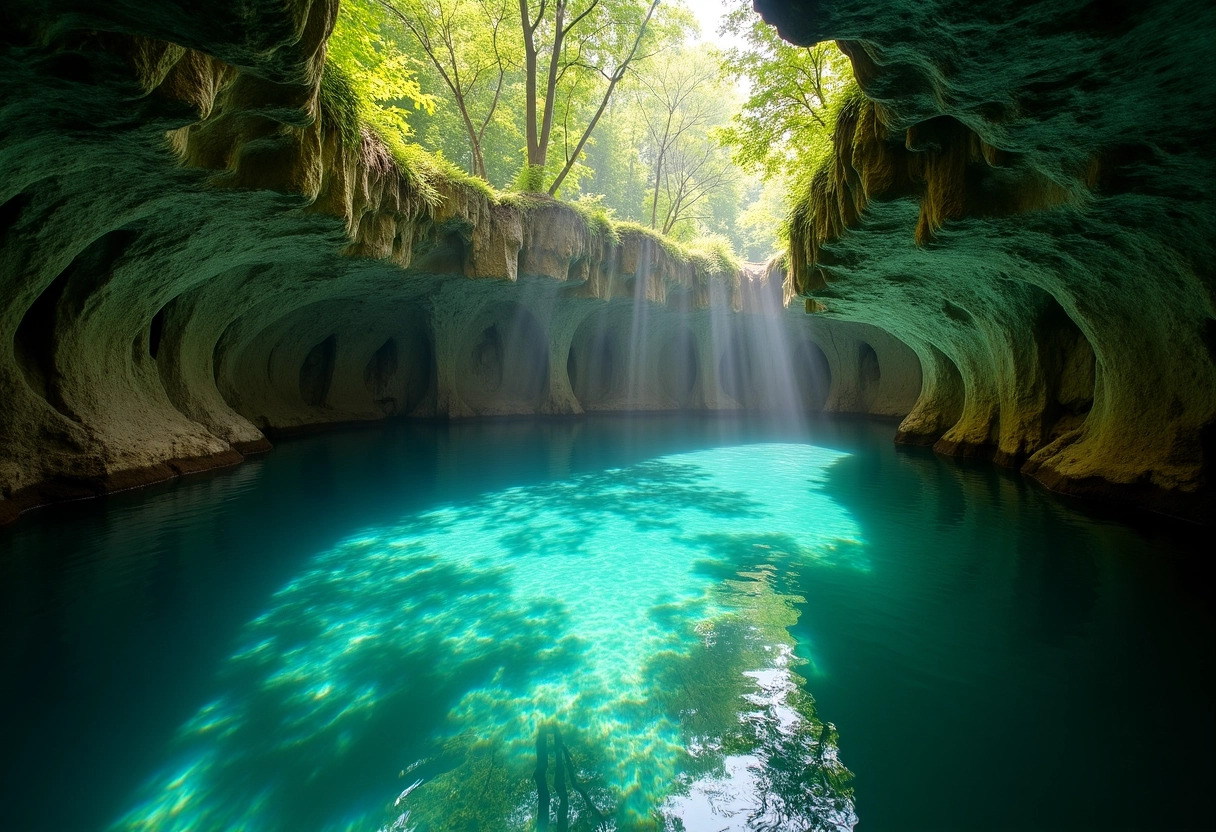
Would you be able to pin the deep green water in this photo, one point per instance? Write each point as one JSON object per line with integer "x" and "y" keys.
{"x": 728, "y": 624}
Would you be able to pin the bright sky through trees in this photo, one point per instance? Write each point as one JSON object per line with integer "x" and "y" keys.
{"x": 709, "y": 14}
{"x": 689, "y": 117}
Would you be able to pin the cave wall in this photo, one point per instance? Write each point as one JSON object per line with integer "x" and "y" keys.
{"x": 194, "y": 255}
{"x": 1024, "y": 197}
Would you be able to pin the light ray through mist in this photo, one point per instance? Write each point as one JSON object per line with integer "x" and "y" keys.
{"x": 637, "y": 379}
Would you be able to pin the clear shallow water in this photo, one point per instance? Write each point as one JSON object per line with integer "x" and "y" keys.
{"x": 722, "y": 622}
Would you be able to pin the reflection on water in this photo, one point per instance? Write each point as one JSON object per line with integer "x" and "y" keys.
{"x": 622, "y": 620}
{"x": 608, "y": 651}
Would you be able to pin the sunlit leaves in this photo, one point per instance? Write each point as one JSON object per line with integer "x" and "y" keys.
{"x": 368, "y": 48}
{"x": 784, "y": 124}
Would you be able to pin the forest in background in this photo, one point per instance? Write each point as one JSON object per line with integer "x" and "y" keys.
{"x": 621, "y": 106}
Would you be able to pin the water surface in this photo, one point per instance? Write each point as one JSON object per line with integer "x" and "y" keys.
{"x": 671, "y": 623}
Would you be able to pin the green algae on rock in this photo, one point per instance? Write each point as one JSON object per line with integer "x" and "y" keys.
{"x": 1024, "y": 197}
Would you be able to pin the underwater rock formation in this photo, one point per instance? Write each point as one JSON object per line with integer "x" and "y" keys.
{"x": 1024, "y": 196}
{"x": 197, "y": 250}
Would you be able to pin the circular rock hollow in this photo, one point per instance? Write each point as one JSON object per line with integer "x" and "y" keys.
{"x": 733, "y": 369}
{"x": 597, "y": 362}
{"x": 505, "y": 365}
{"x": 813, "y": 375}
{"x": 317, "y": 372}
{"x": 760, "y": 372}
{"x": 869, "y": 374}
{"x": 400, "y": 374}
{"x": 1069, "y": 367}
{"x": 677, "y": 374}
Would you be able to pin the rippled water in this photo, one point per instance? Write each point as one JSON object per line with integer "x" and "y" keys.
{"x": 662, "y": 623}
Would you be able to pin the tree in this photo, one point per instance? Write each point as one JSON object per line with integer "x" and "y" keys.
{"x": 695, "y": 171}
{"x": 617, "y": 171}
{"x": 784, "y": 122}
{"x": 466, "y": 42}
{"x": 683, "y": 103}
{"x": 582, "y": 36}
{"x": 759, "y": 223}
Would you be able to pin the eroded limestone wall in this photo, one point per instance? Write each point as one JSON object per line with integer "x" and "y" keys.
{"x": 192, "y": 256}
{"x": 1025, "y": 199}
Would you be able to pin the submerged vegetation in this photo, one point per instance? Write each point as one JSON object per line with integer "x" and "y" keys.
{"x": 616, "y": 107}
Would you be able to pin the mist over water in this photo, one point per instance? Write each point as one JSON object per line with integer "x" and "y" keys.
{"x": 672, "y": 622}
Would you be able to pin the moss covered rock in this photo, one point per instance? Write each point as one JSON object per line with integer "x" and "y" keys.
{"x": 1024, "y": 196}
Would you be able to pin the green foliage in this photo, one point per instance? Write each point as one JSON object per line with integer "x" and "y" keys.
{"x": 432, "y": 169}
{"x": 597, "y": 217}
{"x": 809, "y": 192}
{"x": 467, "y": 50}
{"x": 785, "y": 120}
{"x": 366, "y": 47}
{"x": 426, "y": 172}
{"x": 713, "y": 255}
{"x": 674, "y": 249}
{"x": 339, "y": 102}
{"x": 439, "y": 82}
{"x": 760, "y": 223}
{"x": 658, "y": 159}
{"x": 531, "y": 179}
{"x": 683, "y": 104}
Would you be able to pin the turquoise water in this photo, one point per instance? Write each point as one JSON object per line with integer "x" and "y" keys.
{"x": 670, "y": 623}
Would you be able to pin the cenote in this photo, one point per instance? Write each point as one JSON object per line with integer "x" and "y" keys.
{"x": 607, "y": 415}
{"x": 729, "y": 623}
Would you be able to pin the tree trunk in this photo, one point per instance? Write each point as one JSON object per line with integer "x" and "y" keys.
{"x": 654, "y": 203}
{"x": 616, "y": 78}
{"x": 555, "y": 57}
{"x": 474, "y": 144}
{"x": 542, "y": 784}
{"x": 557, "y": 183}
{"x": 529, "y": 32}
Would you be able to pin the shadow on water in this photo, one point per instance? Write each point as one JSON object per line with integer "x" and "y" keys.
{"x": 656, "y": 495}
{"x": 116, "y": 612}
{"x": 634, "y": 757}
{"x": 602, "y": 624}
{"x": 337, "y": 681}
{"x": 453, "y": 650}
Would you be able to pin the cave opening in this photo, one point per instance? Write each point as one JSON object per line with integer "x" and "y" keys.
{"x": 868, "y": 371}
{"x": 506, "y": 365}
{"x": 58, "y": 307}
{"x": 1069, "y": 368}
{"x": 869, "y": 375}
{"x": 34, "y": 340}
{"x": 813, "y": 376}
{"x": 418, "y": 367}
{"x": 11, "y": 212}
{"x": 378, "y": 376}
{"x": 733, "y": 369}
{"x": 156, "y": 330}
{"x": 400, "y": 375}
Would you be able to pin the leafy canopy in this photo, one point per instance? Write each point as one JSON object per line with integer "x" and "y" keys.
{"x": 783, "y": 124}
{"x": 615, "y": 104}
{"x": 369, "y": 48}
